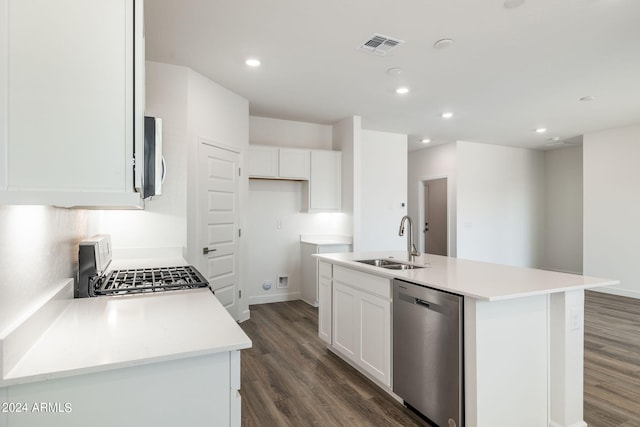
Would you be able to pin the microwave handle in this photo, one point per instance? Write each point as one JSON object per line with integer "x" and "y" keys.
{"x": 164, "y": 170}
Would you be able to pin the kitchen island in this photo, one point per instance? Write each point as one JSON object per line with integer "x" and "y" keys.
{"x": 523, "y": 331}
{"x": 163, "y": 359}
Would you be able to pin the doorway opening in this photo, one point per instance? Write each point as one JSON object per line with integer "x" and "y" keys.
{"x": 434, "y": 217}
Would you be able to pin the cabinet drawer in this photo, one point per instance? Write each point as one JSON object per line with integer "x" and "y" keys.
{"x": 366, "y": 282}
{"x": 325, "y": 270}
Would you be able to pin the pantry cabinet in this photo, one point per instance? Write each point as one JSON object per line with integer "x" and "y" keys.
{"x": 362, "y": 321}
{"x": 72, "y": 75}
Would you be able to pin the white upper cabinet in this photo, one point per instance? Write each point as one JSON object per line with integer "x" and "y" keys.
{"x": 263, "y": 162}
{"x": 320, "y": 171}
{"x": 72, "y": 73}
{"x": 323, "y": 193}
{"x": 294, "y": 163}
{"x": 278, "y": 163}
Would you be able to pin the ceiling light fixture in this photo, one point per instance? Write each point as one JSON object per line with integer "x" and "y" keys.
{"x": 587, "y": 98}
{"x": 426, "y": 140}
{"x": 541, "y": 130}
{"x": 443, "y": 43}
{"x": 252, "y": 62}
{"x": 554, "y": 139}
{"x": 402, "y": 90}
{"x": 446, "y": 115}
{"x": 394, "y": 71}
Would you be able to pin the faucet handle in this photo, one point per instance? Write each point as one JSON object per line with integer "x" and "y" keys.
{"x": 414, "y": 250}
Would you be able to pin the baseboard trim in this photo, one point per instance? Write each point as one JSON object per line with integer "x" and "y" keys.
{"x": 578, "y": 424}
{"x": 618, "y": 291}
{"x": 268, "y": 299}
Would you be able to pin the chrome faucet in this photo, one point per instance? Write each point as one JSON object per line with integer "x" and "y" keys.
{"x": 411, "y": 248}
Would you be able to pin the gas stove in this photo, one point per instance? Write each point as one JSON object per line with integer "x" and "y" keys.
{"x": 142, "y": 280}
{"x": 95, "y": 278}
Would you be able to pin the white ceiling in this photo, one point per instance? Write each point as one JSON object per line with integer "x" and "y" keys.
{"x": 508, "y": 72}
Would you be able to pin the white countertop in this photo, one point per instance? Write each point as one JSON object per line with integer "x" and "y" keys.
{"x": 475, "y": 279}
{"x": 95, "y": 334}
{"x": 321, "y": 239}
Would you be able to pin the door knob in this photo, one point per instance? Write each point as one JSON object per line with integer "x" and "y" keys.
{"x": 205, "y": 251}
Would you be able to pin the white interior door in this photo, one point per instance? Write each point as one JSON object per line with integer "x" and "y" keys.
{"x": 218, "y": 230}
{"x": 435, "y": 217}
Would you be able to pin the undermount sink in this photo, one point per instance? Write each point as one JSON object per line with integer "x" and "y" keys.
{"x": 389, "y": 264}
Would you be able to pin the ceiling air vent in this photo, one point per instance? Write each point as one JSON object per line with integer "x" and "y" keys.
{"x": 379, "y": 44}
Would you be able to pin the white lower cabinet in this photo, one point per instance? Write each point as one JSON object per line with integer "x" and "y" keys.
{"x": 362, "y": 321}
{"x": 196, "y": 391}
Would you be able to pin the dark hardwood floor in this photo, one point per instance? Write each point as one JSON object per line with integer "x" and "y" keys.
{"x": 290, "y": 379}
{"x": 611, "y": 361}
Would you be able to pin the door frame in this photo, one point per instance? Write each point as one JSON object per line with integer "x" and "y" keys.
{"x": 422, "y": 214}
{"x": 194, "y": 244}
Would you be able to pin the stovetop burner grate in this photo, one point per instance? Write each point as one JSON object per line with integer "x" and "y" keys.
{"x": 157, "y": 279}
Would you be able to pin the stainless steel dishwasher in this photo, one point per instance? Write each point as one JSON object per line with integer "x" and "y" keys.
{"x": 428, "y": 352}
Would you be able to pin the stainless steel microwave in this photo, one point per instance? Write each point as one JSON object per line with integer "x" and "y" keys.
{"x": 154, "y": 165}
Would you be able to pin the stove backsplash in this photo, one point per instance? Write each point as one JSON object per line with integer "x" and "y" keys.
{"x": 38, "y": 249}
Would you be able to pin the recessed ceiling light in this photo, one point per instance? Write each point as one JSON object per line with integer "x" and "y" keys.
{"x": 554, "y": 139}
{"x": 541, "y": 130}
{"x": 394, "y": 71}
{"x": 426, "y": 140}
{"x": 402, "y": 90}
{"x": 510, "y": 4}
{"x": 587, "y": 98}
{"x": 252, "y": 62}
{"x": 443, "y": 43}
{"x": 446, "y": 115}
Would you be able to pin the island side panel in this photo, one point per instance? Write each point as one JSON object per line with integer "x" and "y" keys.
{"x": 567, "y": 359}
{"x": 506, "y": 362}
{"x": 191, "y": 392}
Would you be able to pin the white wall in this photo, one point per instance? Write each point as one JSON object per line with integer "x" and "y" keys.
{"x": 562, "y": 247}
{"x": 275, "y": 225}
{"x": 38, "y": 249}
{"x": 435, "y": 162}
{"x": 612, "y": 207}
{"x": 500, "y": 203}
{"x": 288, "y": 133}
{"x": 221, "y": 116}
{"x": 276, "y": 251}
{"x": 346, "y": 136}
{"x": 192, "y": 107}
{"x": 383, "y": 200}
{"x": 163, "y": 222}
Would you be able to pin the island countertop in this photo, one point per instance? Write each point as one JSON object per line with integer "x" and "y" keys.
{"x": 88, "y": 335}
{"x": 475, "y": 279}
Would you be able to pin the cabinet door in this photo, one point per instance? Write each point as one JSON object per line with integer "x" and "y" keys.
{"x": 70, "y": 91}
{"x": 345, "y": 320}
{"x": 263, "y": 162}
{"x": 294, "y": 163}
{"x": 375, "y": 336}
{"x": 325, "y": 182}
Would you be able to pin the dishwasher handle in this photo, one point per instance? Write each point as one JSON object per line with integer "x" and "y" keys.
{"x": 422, "y": 302}
{"x": 414, "y": 300}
